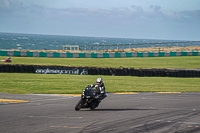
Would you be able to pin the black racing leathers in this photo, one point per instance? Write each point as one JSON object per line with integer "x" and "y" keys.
{"x": 100, "y": 89}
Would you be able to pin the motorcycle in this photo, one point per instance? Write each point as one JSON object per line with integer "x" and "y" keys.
{"x": 6, "y": 60}
{"x": 88, "y": 99}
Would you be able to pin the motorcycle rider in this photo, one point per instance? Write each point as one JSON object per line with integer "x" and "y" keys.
{"x": 100, "y": 89}
{"x": 8, "y": 59}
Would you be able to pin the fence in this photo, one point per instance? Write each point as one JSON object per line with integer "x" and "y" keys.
{"x": 98, "y": 55}
{"x": 134, "y": 46}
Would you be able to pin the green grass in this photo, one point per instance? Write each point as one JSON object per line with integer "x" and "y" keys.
{"x": 21, "y": 83}
{"x": 185, "y": 62}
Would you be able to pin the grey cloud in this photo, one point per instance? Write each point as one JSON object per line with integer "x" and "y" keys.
{"x": 155, "y": 8}
{"x": 171, "y": 15}
{"x": 137, "y": 8}
{"x": 134, "y": 13}
{"x": 195, "y": 14}
{"x": 37, "y": 8}
{"x": 10, "y": 6}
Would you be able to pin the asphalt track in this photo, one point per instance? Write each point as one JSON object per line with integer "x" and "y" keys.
{"x": 118, "y": 113}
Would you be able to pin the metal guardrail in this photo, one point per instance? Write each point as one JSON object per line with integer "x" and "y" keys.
{"x": 132, "y": 46}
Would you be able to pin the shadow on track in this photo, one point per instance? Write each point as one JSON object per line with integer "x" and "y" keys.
{"x": 116, "y": 109}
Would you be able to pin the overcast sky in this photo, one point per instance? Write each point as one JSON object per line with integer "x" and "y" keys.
{"x": 144, "y": 19}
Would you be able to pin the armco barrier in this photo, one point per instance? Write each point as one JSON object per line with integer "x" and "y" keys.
{"x": 98, "y": 55}
{"x": 6, "y": 68}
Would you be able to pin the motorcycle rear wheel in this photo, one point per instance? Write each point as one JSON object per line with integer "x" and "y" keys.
{"x": 78, "y": 105}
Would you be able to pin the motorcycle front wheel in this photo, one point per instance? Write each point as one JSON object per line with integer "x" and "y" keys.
{"x": 78, "y": 105}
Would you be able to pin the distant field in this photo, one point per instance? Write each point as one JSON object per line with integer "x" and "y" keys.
{"x": 21, "y": 83}
{"x": 186, "y": 62}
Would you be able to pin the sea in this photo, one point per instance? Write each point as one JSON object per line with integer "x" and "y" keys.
{"x": 55, "y": 42}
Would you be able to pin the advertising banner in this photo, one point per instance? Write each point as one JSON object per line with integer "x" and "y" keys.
{"x": 48, "y": 70}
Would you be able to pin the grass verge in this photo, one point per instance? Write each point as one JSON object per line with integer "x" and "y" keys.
{"x": 184, "y": 62}
{"x": 21, "y": 83}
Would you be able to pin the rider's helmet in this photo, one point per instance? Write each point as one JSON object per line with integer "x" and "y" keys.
{"x": 99, "y": 81}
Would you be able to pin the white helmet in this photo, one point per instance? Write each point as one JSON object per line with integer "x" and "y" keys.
{"x": 99, "y": 80}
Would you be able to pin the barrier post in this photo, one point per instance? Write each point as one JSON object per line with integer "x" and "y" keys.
{"x": 92, "y": 48}
{"x": 171, "y": 45}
